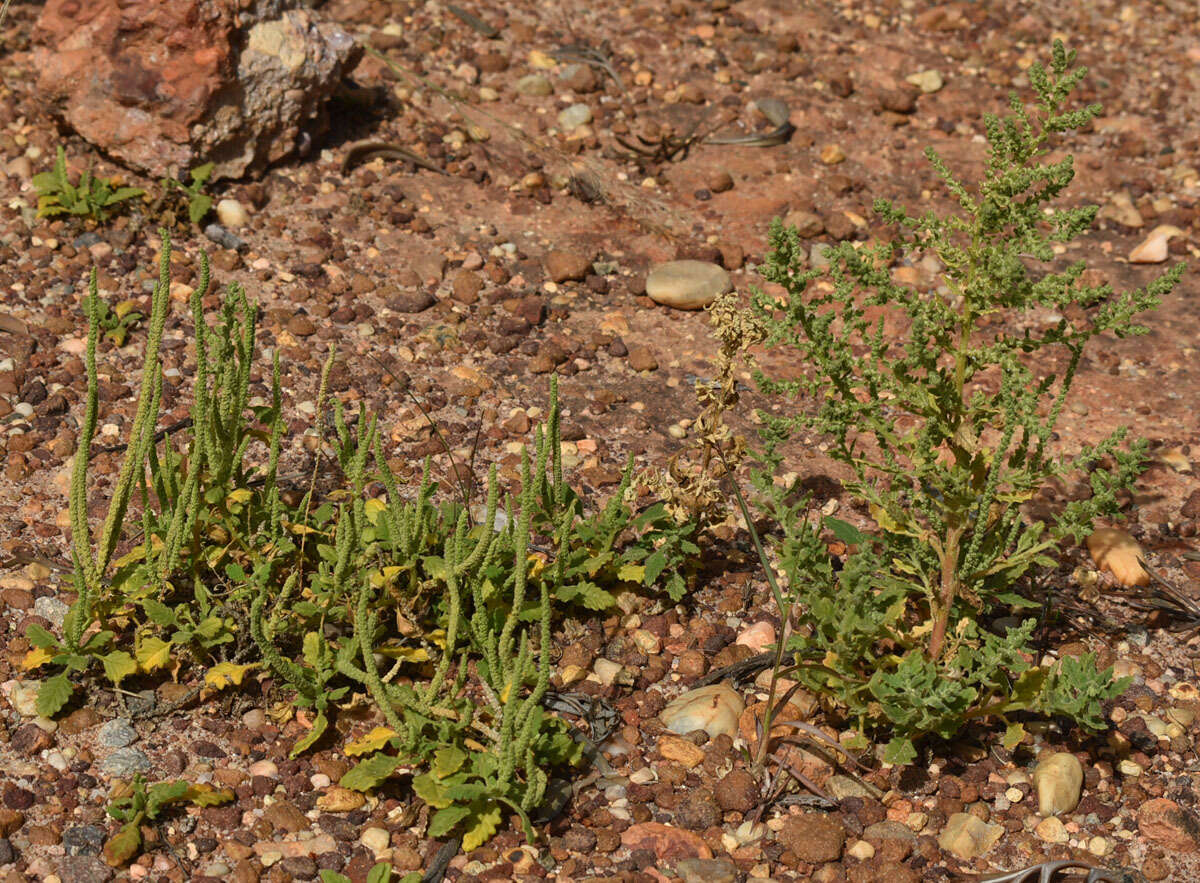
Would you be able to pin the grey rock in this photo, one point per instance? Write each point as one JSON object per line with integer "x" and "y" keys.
{"x": 83, "y": 869}
{"x": 117, "y": 733}
{"x": 224, "y": 238}
{"x": 818, "y": 255}
{"x": 840, "y": 787}
{"x": 125, "y": 762}
{"x": 84, "y": 240}
{"x": 52, "y": 609}
{"x": 83, "y": 840}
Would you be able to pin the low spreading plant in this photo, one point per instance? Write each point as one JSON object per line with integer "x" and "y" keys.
{"x": 947, "y": 427}
{"x": 116, "y": 321}
{"x": 92, "y": 198}
{"x": 368, "y": 594}
{"x": 138, "y": 804}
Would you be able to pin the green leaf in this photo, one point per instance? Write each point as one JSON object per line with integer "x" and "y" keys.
{"x": 1013, "y": 735}
{"x": 444, "y": 820}
{"x": 676, "y": 587}
{"x": 163, "y": 794}
{"x": 309, "y": 739}
{"x": 54, "y": 693}
{"x": 159, "y": 613}
{"x": 153, "y": 653}
{"x": 381, "y": 873}
{"x": 370, "y": 773}
{"x": 328, "y": 876}
{"x": 98, "y": 641}
{"x": 899, "y": 752}
{"x": 631, "y": 573}
{"x": 118, "y": 665}
{"x": 654, "y": 566}
{"x": 431, "y": 790}
{"x": 846, "y": 532}
{"x": 124, "y": 193}
{"x": 201, "y": 174}
{"x": 447, "y": 761}
{"x": 199, "y": 206}
{"x": 207, "y": 795}
{"x": 39, "y": 637}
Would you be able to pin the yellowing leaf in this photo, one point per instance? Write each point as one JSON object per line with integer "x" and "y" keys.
{"x": 36, "y": 657}
{"x": 380, "y": 578}
{"x": 408, "y": 654}
{"x": 373, "y": 507}
{"x": 302, "y": 529}
{"x": 223, "y": 674}
{"x": 206, "y": 795}
{"x": 1013, "y": 735}
{"x": 885, "y": 521}
{"x": 118, "y": 665}
{"x": 632, "y": 573}
{"x": 124, "y": 308}
{"x": 536, "y": 563}
{"x": 372, "y": 741}
{"x": 239, "y": 495}
{"x": 473, "y": 745}
{"x": 153, "y": 653}
{"x": 486, "y": 823}
{"x": 309, "y": 739}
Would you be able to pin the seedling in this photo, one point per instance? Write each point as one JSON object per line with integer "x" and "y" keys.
{"x": 93, "y": 198}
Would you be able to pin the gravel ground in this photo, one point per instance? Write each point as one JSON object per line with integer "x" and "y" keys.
{"x": 469, "y": 288}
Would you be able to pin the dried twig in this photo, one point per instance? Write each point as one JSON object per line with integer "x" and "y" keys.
{"x": 1046, "y": 872}
{"x": 593, "y": 56}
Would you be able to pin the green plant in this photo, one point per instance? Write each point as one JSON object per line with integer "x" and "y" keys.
{"x": 947, "y": 431}
{"x": 92, "y": 197}
{"x": 116, "y": 322}
{"x": 438, "y": 621}
{"x": 199, "y": 203}
{"x": 140, "y": 805}
{"x": 381, "y": 873}
{"x": 484, "y": 751}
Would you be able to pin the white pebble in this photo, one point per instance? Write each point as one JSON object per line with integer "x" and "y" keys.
{"x": 232, "y": 214}
{"x": 376, "y": 839}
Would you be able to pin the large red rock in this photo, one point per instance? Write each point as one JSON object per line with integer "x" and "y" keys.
{"x": 1168, "y": 824}
{"x": 165, "y": 87}
{"x": 668, "y": 843}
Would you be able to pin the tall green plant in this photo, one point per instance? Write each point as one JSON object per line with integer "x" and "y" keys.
{"x": 947, "y": 426}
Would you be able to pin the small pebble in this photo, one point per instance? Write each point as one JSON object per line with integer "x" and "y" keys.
{"x": 927, "y": 81}
{"x": 535, "y": 85}
{"x": 232, "y": 214}
{"x": 376, "y": 839}
{"x": 574, "y": 116}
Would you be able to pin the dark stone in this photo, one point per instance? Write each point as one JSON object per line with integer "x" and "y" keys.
{"x": 16, "y": 797}
{"x": 698, "y": 811}
{"x": 301, "y": 867}
{"x": 83, "y": 840}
